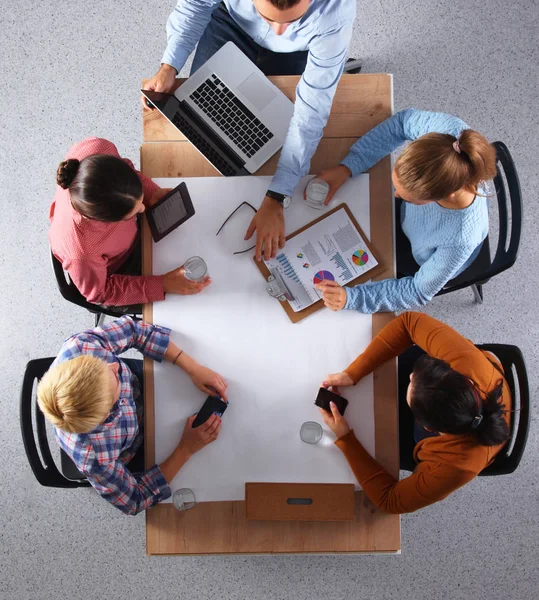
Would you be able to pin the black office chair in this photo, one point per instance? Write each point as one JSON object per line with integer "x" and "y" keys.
{"x": 510, "y": 357}
{"x": 510, "y": 228}
{"x": 352, "y": 66}
{"x": 44, "y": 466}
{"x": 70, "y": 292}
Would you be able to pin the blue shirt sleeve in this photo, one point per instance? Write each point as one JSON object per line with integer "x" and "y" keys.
{"x": 314, "y": 96}
{"x": 185, "y": 27}
{"x": 406, "y": 125}
{"x": 409, "y": 292}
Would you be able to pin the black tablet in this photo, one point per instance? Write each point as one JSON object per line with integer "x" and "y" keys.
{"x": 170, "y": 212}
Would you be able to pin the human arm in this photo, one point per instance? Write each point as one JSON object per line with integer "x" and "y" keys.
{"x": 409, "y": 292}
{"x": 434, "y": 337}
{"x": 314, "y": 96}
{"x": 193, "y": 440}
{"x": 132, "y": 493}
{"x": 185, "y": 27}
{"x": 91, "y": 278}
{"x": 203, "y": 378}
{"x": 406, "y": 125}
{"x": 128, "y": 492}
{"x": 430, "y": 482}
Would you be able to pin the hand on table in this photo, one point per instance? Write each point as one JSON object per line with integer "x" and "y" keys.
{"x": 162, "y": 81}
{"x": 269, "y": 226}
{"x": 335, "y": 421}
{"x": 194, "y": 440}
{"x": 337, "y": 380}
{"x": 333, "y": 294}
{"x": 175, "y": 282}
{"x": 335, "y": 177}
{"x": 208, "y": 381}
{"x": 157, "y": 195}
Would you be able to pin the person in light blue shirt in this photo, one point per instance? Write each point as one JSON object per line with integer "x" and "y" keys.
{"x": 283, "y": 37}
{"x": 441, "y": 180}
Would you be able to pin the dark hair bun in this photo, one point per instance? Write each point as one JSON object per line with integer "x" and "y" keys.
{"x": 67, "y": 172}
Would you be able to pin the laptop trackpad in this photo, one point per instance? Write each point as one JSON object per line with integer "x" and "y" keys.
{"x": 257, "y": 91}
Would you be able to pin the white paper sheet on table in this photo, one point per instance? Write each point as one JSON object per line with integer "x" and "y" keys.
{"x": 273, "y": 367}
{"x": 331, "y": 249}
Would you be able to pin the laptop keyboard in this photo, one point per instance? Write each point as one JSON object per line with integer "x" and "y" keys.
{"x": 203, "y": 146}
{"x": 223, "y": 107}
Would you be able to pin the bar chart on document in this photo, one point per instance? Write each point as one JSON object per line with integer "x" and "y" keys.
{"x": 331, "y": 249}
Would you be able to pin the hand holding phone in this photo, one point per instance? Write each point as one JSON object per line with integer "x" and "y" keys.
{"x": 213, "y": 405}
{"x": 325, "y": 397}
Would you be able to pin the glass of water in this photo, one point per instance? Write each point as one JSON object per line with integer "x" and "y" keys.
{"x": 316, "y": 193}
{"x": 195, "y": 269}
{"x": 311, "y": 432}
{"x": 184, "y": 499}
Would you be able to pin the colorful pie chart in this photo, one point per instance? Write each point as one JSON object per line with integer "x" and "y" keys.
{"x": 321, "y": 275}
{"x": 360, "y": 258}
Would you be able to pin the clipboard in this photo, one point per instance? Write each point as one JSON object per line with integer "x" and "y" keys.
{"x": 295, "y": 317}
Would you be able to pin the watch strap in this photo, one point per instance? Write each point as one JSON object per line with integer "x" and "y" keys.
{"x": 276, "y": 196}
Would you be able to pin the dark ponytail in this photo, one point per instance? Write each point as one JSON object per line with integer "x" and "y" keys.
{"x": 101, "y": 186}
{"x": 446, "y": 401}
{"x": 66, "y": 172}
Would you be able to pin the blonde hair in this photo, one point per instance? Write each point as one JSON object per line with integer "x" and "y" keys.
{"x": 75, "y": 395}
{"x": 431, "y": 168}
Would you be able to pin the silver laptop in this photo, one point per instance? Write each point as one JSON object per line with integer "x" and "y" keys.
{"x": 229, "y": 111}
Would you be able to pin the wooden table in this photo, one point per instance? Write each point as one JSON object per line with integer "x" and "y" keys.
{"x": 361, "y": 102}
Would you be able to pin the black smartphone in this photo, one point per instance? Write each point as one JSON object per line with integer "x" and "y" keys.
{"x": 170, "y": 212}
{"x": 325, "y": 397}
{"x": 214, "y": 405}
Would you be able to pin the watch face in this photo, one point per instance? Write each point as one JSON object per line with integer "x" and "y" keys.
{"x": 286, "y": 201}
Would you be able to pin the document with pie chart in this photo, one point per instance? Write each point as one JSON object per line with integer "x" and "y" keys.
{"x": 331, "y": 249}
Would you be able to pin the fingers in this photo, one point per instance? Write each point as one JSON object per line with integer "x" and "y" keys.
{"x": 220, "y": 387}
{"x": 326, "y": 416}
{"x": 282, "y": 240}
{"x": 209, "y": 431}
{"x": 271, "y": 243}
{"x": 335, "y": 411}
{"x": 190, "y": 420}
{"x": 258, "y": 247}
{"x": 250, "y": 230}
{"x": 330, "y": 195}
{"x": 327, "y": 283}
{"x": 145, "y": 106}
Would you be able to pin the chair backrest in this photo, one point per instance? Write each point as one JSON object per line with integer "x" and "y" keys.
{"x": 509, "y": 458}
{"x": 510, "y": 221}
{"x": 44, "y": 467}
{"x": 70, "y": 292}
{"x": 506, "y": 253}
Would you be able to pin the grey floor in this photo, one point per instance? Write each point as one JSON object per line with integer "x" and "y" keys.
{"x": 71, "y": 70}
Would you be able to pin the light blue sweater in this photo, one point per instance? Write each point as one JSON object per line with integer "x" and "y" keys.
{"x": 444, "y": 242}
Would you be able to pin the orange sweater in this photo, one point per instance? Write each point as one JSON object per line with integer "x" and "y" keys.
{"x": 445, "y": 462}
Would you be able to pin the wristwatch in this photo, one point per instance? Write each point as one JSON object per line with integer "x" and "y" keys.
{"x": 283, "y": 200}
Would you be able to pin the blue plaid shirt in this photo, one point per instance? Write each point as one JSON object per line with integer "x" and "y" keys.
{"x": 102, "y": 454}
